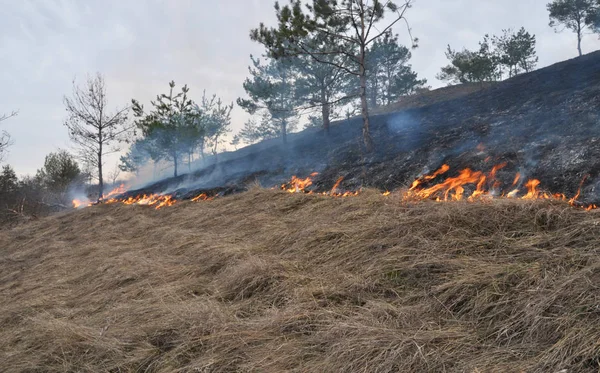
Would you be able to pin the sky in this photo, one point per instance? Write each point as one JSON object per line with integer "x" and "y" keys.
{"x": 141, "y": 45}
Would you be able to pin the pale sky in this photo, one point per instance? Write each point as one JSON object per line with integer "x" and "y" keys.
{"x": 141, "y": 45}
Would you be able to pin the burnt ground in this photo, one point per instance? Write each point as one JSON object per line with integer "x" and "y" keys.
{"x": 544, "y": 124}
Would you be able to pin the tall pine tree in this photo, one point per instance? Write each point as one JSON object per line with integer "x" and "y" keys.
{"x": 352, "y": 22}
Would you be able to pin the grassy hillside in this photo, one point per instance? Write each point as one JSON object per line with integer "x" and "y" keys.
{"x": 266, "y": 281}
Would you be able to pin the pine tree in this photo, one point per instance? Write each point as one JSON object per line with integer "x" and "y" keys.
{"x": 472, "y": 66}
{"x": 255, "y": 131}
{"x": 576, "y": 15}
{"x": 59, "y": 172}
{"x": 388, "y": 74}
{"x": 171, "y": 127}
{"x": 516, "y": 51}
{"x": 214, "y": 119}
{"x": 271, "y": 92}
{"x": 351, "y": 22}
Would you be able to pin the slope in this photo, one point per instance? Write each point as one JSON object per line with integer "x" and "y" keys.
{"x": 270, "y": 281}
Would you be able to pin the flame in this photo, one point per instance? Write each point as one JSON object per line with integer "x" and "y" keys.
{"x": 440, "y": 171}
{"x": 116, "y": 191}
{"x": 337, "y": 183}
{"x": 480, "y": 185}
{"x": 156, "y": 200}
{"x": 532, "y": 192}
{"x": 517, "y": 178}
{"x": 201, "y": 197}
{"x": 296, "y": 185}
{"x": 453, "y": 188}
{"x": 79, "y": 203}
{"x": 106, "y": 197}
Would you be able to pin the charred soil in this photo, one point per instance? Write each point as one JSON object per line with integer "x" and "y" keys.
{"x": 270, "y": 281}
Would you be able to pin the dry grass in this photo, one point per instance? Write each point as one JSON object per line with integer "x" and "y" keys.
{"x": 271, "y": 282}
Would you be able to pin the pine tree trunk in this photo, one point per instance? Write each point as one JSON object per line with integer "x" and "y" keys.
{"x": 365, "y": 108}
{"x": 579, "y": 37}
{"x": 202, "y": 149}
{"x": 214, "y": 151}
{"x": 325, "y": 111}
{"x": 284, "y": 131}
{"x": 374, "y": 89}
{"x": 368, "y": 140}
{"x": 175, "y": 165}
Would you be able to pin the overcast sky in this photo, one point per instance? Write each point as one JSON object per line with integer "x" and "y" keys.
{"x": 140, "y": 45}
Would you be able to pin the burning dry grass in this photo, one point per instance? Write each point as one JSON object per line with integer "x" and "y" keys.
{"x": 267, "y": 281}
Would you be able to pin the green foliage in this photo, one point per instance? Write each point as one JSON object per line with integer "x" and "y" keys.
{"x": 254, "y": 131}
{"x": 351, "y": 23}
{"x": 323, "y": 86}
{"x": 177, "y": 128}
{"x": 172, "y": 126}
{"x": 388, "y": 75}
{"x": 512, "y": 52}
{"x": 271, "y": 94}
{"x": 516, "y": 51}
{"x": 8, "y": 181}
{"x": 575, "y": 15}
{"x": 139, "y": 153}
{"x": 214, "y": 120}
{"x": 471, "y": 66}
{"x": 60, "y": 171}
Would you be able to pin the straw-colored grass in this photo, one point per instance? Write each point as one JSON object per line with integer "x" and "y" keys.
{"x": 266, "y": 281}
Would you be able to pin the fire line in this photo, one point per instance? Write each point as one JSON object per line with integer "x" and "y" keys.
{"x": 468, "y": 185}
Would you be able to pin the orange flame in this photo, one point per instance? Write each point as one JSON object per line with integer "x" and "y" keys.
{"x": 77, "y": 203}
{"x": 116, "y": 191}
{"x": 532, "y": 192}
{"x": 517, "y": 178}
{"x": 440, "y": 171}
{"x": 453, "y": 188}
{"x": 201, "y": 197}
{"x": 296, "y": 185}
{"x": 336, "y": 185}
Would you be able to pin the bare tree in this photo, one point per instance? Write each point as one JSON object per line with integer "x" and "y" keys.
{"x": 94, "y": 129}
{"x": 5, "y": 140}
{"x": 113, "y": 175}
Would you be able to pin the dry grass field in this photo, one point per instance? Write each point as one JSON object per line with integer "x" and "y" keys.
{"x": 267, "y": 281}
